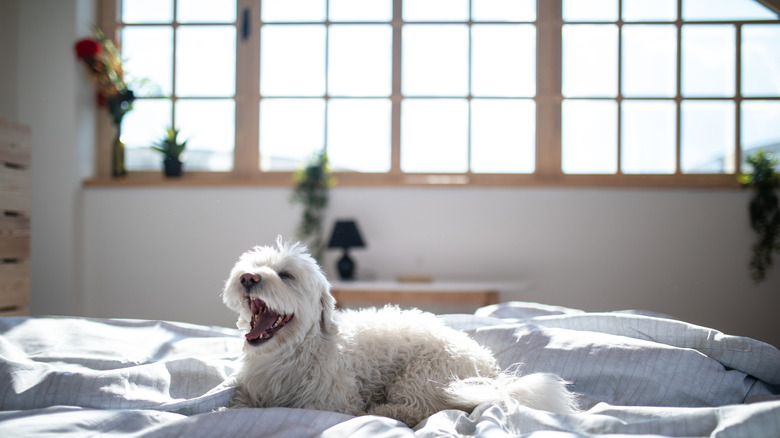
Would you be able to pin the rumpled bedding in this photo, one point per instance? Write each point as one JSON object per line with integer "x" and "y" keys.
{"x": 636, "y": 373}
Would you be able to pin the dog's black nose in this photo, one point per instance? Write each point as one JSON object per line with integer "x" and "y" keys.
{"x": 249, "y": 280}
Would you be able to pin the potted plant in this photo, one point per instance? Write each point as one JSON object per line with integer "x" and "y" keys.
{"x": 171, "y": 147}
{"x": 764, "y": 211}
{"x": 311, "y": 189}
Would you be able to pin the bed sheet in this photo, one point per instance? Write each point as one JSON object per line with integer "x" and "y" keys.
{"x": 637, "y": 374}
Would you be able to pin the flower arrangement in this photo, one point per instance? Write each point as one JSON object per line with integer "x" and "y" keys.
{"x": 104, "y": 64}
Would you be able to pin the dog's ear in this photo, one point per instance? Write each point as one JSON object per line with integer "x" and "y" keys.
{"x": 328, "y": 304}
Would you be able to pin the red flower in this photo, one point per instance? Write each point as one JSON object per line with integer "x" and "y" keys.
{"x": 101, "y": 100}
{"x": 87, "y": 48}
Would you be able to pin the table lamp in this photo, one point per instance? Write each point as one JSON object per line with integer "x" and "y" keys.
{"x": 346, "y": 235}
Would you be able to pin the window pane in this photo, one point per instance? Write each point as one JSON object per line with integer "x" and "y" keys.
{"x": 206, "y": 11}
{"x": 435, "y": 60}
{"x": 292, "y": 60}
{"x": 360, "y": 62}
{"x": 434, "y": 135}
{"x": 649, "y": 60}
{"x": 359, "y": 134}
{"x": 649, "y": 10}
{"x": 148, "y": 54}
{"x": 292, "y": 10}
{"x": 503, "y": 136}
{"x": 590, "y": 10}
{"x": 760, "y": 60}
{"x": 142, "y": 127}
{"x": 436, "y": 10}
{"x": 209, "y": 128}
{"x": 760, "y": 127}
{"x": 361, "y": 10}
{"x": 708, "y": 60}
{"x": 503, "y": 10}
{"x": 589, "y": 136}
{"x": 503, "y": 60}
{"x": 707, "y": 136}
{"x": 727, "y": 10}
{"x": 590, "y": 60}
{"x": 147, "y": 11}
{"x": 648, "y": 136}
{"x": 283, "y": 144}
{"x": 206, "y": 61}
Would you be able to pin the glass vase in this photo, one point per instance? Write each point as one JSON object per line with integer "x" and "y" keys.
{"x": 118, "y": 156}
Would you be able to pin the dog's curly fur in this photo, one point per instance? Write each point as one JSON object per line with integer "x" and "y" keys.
{"x": 404, "y": 364}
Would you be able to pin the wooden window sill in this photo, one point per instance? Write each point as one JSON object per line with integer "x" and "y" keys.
{"x": 348, "y": 179}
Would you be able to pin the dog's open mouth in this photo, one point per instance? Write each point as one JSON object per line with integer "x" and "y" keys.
{"x": 265, "y": 322}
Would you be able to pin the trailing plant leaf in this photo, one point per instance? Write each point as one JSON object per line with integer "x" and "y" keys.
{"x": 311, "y": 190}
{"x": 764, "y": 211}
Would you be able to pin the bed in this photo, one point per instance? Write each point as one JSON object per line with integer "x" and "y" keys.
{"x": 637, "y": 374}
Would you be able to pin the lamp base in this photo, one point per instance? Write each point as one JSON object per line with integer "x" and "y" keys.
{"x": 346, "y": 267}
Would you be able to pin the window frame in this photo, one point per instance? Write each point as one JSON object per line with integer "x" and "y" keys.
{"x": 548, "y": 167}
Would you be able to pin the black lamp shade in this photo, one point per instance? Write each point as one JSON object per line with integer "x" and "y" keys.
{"x": 346, "y": 235}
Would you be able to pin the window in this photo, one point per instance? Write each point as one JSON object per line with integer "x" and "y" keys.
{"x": 195, "y": 90}
{"x": 495, "y": 92}
{"x": 646, "y": 93}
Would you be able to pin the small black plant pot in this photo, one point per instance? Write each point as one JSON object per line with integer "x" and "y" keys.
{"x": 172, "y": 167}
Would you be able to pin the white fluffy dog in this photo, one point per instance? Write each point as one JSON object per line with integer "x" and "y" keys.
{"x": 405, "y": 364}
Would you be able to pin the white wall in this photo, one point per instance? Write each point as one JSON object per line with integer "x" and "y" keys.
{"x": 164, "y": 252}
{"x": 55, "y": 98}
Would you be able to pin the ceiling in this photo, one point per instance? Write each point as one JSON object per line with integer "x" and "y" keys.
{"x": 772, "y": 4}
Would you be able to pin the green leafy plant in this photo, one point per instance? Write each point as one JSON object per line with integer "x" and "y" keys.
{"x": 764, "y": 211}
{"x": 170, "y": 146}
{"x": 312, "y": 183}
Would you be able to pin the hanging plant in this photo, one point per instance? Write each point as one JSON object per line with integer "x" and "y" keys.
{"x": 764, "y": 211}
{"x": 312, "y": 183}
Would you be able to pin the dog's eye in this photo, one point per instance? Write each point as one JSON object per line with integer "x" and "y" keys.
{"x": 284, "y": 275}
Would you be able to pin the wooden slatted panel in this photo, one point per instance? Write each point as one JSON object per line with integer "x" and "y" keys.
{"x": 14, "y": 190}
{"x": 15, "y": 312}
{"x": 14, "y": 286}
{"x": 14, "y": 237}
{"x": 15, "y": 144}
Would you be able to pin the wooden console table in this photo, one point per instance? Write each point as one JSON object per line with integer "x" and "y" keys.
{"x": 392, "y": 292}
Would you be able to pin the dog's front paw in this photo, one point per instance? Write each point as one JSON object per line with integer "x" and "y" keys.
{"x": 239, "y": 400}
